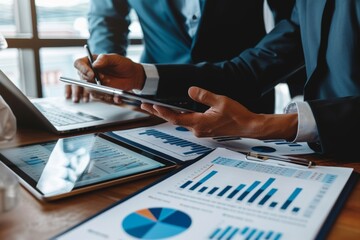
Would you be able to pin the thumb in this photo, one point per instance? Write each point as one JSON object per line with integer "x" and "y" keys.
{"x": 203, "y": 96}
{"x": 101, "y": 61}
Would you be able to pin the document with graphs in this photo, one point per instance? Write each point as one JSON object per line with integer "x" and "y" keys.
{"x": 225, "y": 196}
{"x": 178, "y": 144}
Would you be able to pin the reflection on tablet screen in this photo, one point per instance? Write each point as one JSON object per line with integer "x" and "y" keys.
{"x": 60, "y": 167}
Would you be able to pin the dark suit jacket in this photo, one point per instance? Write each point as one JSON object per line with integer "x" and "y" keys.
{"x": 227, "y": 27}
{"x": 333, "y": 79}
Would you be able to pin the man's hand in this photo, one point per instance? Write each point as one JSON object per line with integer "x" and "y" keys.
{"x": 225, "y": 117}
{"x": 114, "y": 71}
{"x": 76, "y": 93}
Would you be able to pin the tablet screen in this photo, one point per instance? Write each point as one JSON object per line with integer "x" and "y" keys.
{"x": 180, "y": 106}
{"x": 57, "y": 168}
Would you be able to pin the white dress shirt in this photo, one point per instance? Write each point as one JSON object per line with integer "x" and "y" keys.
{"x": 191, "y": 13}
{"x": 7, "y": 121}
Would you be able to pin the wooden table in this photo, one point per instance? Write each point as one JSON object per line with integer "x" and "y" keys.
{"x": 32, "y": 219}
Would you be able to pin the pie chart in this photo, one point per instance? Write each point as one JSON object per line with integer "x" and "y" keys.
{"x": 156, "y": 223}
{"x": 263, "y": 149}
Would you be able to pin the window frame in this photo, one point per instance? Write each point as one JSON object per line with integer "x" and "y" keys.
{"x": 29, "y": 46}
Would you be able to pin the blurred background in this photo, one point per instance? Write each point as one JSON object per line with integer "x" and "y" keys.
{"x": 44, "y": 38}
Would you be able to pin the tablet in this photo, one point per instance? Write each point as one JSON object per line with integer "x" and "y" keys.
{"x": 125, "y": 94}
{"x": 56, "y": 169}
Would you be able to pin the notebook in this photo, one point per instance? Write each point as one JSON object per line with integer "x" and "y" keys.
{"x": 61, "y": 115}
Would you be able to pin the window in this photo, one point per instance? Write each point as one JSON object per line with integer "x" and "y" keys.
{"x": 44, "y": 38}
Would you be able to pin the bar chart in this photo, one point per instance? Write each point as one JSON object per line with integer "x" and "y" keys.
{"x": 223, "y": 196}
{"x": 258, "y": 192}
{"x": 172, "y": 145}
{"x": 229, "y": 232}
{"x": 177, "y": 143}
{"x": 190, "y": 147}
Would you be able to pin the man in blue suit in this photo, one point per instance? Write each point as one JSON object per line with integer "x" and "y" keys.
{"x": 323, "y": 34}
{"x": 186, "y": 31}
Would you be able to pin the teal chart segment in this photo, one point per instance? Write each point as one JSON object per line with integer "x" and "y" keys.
{"x": 156, "y": 223}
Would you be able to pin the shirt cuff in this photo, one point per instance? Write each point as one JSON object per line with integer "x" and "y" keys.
{"x": 151, "y": 81}
{"x": 307, "y": 130}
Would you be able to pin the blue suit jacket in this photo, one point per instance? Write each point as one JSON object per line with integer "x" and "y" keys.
{"x": 333, "y": 79}
{"x": 227, "y": 27}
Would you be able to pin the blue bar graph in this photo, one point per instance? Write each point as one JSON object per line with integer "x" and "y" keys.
{"x": 258, "y": 237}
{"x": 291, "y": 198}
{"x": 267, "y": 196}
{"x": 227, "y": 229}
{"x": 171, "y": 140}
{"x": 186, "y": 184}
{"x": 234, "y": 232}
{"x": 278, "y": 236}
{"x": 295, "y": 210}
{"x": 227, "y": 188}
{"x": 329, "y": 178}
{"x": 247, "y": 191}
{"x": 258, "y": 192}
{"x": 252, "y": 232}
{"x": 243, "y": 232}
{"x": 34, "y": 160}
{"x": 261, "y": 190}
{"x": 204, "y": 179}
{"x": 273, "y": 204}
{"x": 268, "y": 236}
{"x": 215, "y": 233}
{"x": 238, "y": 189}
{"x": 213, "y": 190}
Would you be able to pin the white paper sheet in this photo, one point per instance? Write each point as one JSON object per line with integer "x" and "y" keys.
{"x": 181, "y": 144}
{"x": 252, "y": 200}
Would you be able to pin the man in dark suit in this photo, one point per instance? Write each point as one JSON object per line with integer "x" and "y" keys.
{"x": 170, "y": 36}
{"x": 323, "y": 34}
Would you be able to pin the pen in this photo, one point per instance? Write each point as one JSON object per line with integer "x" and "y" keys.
{"x": 91, "y": 60}
{"x": 294, "y": 160}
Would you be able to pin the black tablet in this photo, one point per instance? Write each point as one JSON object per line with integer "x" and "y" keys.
{"x": 68, "y": 166}
{"x": 180, "y": 107}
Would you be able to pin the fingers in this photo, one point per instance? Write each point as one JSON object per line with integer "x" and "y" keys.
{"x": 86, "y": 95}
{"x": 107, "y": 61}
{"x": 176, "y": 118}
{"x": 68, "y": 91}
{"x": 101, "y": 60}
{"x": 77, "y": 93}
{"x": 203, "y": 96}
{"x": 84, "y": 70}
{"x": 117, "y": 100}
{"x": 171, "y": 116}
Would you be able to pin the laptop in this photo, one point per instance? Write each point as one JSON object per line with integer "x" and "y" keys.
{"x": 60, "y": 115}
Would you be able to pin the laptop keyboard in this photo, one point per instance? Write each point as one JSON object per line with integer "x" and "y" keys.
{"x": 62, "y": 117}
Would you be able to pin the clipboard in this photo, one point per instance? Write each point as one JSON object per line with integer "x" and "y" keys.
{"x": 131, "y": 213}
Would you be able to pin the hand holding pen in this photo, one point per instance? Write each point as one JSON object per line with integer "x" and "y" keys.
{"x": 91, "y": 60}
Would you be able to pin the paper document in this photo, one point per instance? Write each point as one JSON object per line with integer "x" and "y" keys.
{"x": 224, "y": 196}
{"x": 180, "y": 144}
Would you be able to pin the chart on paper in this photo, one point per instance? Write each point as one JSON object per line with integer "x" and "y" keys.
{"x": 236, "y": 198}
{"x": 179, "y": 143}
{"x": 156, "y": 223}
